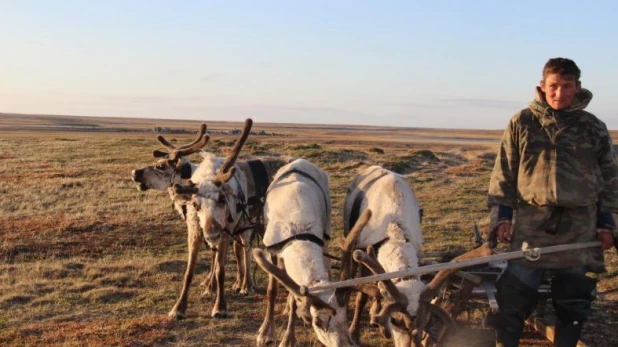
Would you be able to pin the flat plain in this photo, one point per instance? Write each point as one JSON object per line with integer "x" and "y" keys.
{"x": 86, "y": 259}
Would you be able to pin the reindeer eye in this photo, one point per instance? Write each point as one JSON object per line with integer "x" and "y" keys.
{"x": 321, "y": 322}
{"x": 160, "y": 167}
{"x": 196, "y": 206}
{"x": 398, "y": 324}
{"x": 318, "y": 322}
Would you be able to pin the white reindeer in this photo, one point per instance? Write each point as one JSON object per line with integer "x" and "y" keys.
{"x": 393, "y": 238}
{"x": 297, "y": 214}
{"x": 395, "y": 233}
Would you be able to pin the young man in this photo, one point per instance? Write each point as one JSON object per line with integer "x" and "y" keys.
{"x": 555, "y": 181}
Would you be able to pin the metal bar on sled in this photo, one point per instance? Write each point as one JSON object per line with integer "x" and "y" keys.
{"x": 532, "y": 254}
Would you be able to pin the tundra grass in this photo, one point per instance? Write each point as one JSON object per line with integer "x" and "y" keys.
{"x": 86, "y": 259}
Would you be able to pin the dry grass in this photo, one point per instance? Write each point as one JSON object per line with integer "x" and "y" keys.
{"x": 85, "y": 259}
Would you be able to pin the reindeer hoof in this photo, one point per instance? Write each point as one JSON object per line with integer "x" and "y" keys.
{"x": 288, "y": 343}
{"x": 176, "y": 315}
{"x": 245, "y": 291}
{"x": 265, "y": 341}
{"x": 220, "y": 315}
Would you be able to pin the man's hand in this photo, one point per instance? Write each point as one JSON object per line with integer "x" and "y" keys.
{"x": 504, "y": 232}
{"x": 606, "y": 237}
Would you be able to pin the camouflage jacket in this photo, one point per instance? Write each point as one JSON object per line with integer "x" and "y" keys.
{"x": 557, "y": 170}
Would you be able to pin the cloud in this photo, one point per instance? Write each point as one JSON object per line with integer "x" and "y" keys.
{"x": 466, "y": 102}
{"x": 485, "y": 103}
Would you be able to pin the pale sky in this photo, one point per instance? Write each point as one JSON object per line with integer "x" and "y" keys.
{"x": 445, "y": 64}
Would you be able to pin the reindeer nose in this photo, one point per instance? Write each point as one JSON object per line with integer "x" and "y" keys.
{"x": 136, "y": 175}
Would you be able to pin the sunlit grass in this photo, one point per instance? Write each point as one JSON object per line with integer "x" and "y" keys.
{"x": 86, "y": 259}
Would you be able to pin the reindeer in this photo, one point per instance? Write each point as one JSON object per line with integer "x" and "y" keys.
{"x": 298, "y": 225}
{"x": 219, "y": 201}
{"x": 169, "y": 169}
{"x": 392, "y": 238}
{"x": 174, "y": 168}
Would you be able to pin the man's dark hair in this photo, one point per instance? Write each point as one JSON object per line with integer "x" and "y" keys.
{"x": 563, "y": 67}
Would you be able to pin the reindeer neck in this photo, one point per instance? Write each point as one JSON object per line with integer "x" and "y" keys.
{"x": 304, "y": 262}
{"x": 396, "y": 255}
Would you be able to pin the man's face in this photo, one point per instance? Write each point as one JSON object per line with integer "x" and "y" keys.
{"x": 559, "y": 90}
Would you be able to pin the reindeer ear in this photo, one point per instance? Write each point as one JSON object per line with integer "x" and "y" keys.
{"x": 178, "y": 189}
{"x": 159, "y": 154}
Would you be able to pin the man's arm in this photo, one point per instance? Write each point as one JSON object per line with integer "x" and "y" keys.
{"x": 608, "y": 198}
{"x": 502, "y": 195}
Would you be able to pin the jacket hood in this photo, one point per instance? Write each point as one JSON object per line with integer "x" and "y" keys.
{"x": 548, "y": 115}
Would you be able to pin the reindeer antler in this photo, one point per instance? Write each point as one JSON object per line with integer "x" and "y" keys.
{"x": 350, "y": 244}
{"x": 346, "y": 261}
{"x": 195, "y": 147}
{"x": 397, "y": 303}
{"x": 440, "y": 278}
{"x": 426, "y": 308}
{"x": 227, "y": 170}
{"x": 289, "y": 284}
{"x": 169, "y": 146}
{"x": 199, "y": 142}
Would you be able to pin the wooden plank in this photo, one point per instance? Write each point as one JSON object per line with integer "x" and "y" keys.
{"x": 549, "y": 331}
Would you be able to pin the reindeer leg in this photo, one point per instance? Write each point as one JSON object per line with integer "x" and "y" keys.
{"x": 206, "y": 282}
{"x": 266, "y": 334}
{"x": 361, "y": 301}
{"x": 194, "y": 240}
{"x": 219, "y": 310}
{"x": 210, "y": 283}
{"x": 238, "y": 253}
{"x": 248, "y": 287}
{"x": 289, "y": 337}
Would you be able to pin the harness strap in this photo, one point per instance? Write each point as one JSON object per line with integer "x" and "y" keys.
{"x": 260, "y": 181}
{"x": 302, "y": 237}
{"x": 355, "y": 212}
{"x": 377, "y": 245}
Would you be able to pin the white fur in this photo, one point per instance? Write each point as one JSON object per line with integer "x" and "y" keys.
{"x": 296, "y": 205}
{"x": 396, "y": 216}
{"x": 391, "y": 201}
{"x": 397, "y": 255}
{"x": 212, "y": 215}
{"x": 304, "y": 262}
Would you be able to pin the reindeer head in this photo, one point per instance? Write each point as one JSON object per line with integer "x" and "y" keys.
{"x": 215, "y": 195}
{"x": 398, "y": 319}
{"x": 325, "y": 311}
{"x": 170, "y": 167}
{"x": 392, "y": 316}
{"x": 327, "y": 317}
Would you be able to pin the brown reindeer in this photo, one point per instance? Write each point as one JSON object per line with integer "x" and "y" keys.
{"x": 173, "y": 168}
{"x": 225, "y": 197}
